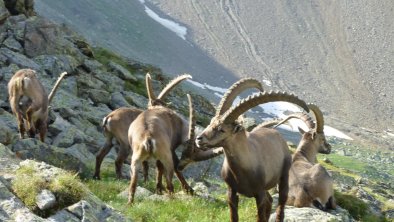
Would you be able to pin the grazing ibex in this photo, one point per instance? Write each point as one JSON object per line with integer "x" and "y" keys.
{"x": 117, "y": 123}
{"x": 156, "y": 133}
{"x": 25, "y": 84}
{"x": 309, "y": 182}
{"x": 254, "y": 162}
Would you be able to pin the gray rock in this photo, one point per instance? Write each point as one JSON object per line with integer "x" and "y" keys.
{"x": 69, "y": 137}
{"x": 56, "y": 64}
{"x": 92, "y": 65}
{"x": 113, "y": 82}
{"x": 45, "y": 199}
{"x": 81, "y": 152}
{"x": 26, "y": 215}
{"x": 117, "y": 100}
{"x": 43, "y": 37}
{"x": 8, "y": 71}
{"x": 4, "y": 14}
{"x": 16, "y": 24}
{"x": 19, "y": 59}
{"x": 87, "y": 81}
{"x": 99, "y": 96}
{"x": 122, "y": 72}
{"x": 8, "y": 128}
{"x": 12, "y": 208}
{"x": 12, "y": 44}
{"x": 140, "y": 193}
{"x": 66, "y": 99}
{"x": 63, "y": 215}
{"x": 293, "y": 214}
{"x": 136, "y": 99}
{"x": 35, "y": 149}
{"x": 7, "y": 135}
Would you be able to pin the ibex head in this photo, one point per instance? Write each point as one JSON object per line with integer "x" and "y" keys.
{"x": 217, "y": 130}
{"x": 315, "y": 134}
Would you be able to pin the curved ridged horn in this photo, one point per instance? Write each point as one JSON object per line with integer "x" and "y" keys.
{"x": 53, "y": 91}
{"x": 319, "y": 117}
{"x": 149, "y": 88}
{"x": 172, "y": 84}
{"x": 302, "y": 116}
{"x": 261, "y": 98}
{"x": 192, "y": 123}
{"x": 234, "y": 91}
{"x": 271, "y": 123}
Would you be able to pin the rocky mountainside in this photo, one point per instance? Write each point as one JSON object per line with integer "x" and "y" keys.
{"x": 336, "y": 54}
{"x": 98, "y": 82}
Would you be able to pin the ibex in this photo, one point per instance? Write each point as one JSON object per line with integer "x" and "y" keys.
{"x": 156, "y": 133}
{"x": 24, "y": 83}
{"x": 117, "y": 123}
{"x": 309, "y": 182}
{"x": 191, "y": 154}
{"x": 254, "y": 162}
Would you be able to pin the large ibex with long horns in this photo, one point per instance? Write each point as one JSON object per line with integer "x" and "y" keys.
{"x": 25, "y": 84}
{"x": 191, "y": 154}
{"x": 117, "y": 123}
{"x": 254, "y": 162}
{"x": 309, "y": 183}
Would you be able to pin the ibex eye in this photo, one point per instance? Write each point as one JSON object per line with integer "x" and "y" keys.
{"x": 221, "y": 130}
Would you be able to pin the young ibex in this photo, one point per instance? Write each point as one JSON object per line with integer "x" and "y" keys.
{"x": 309, "y": 182}
{"x": 156, "y": 133}
{"x": 117, "y": 123}
{"x": 24, "y": 83}
{"x": 191, "y": 154}
{"x": 254, "y": 162}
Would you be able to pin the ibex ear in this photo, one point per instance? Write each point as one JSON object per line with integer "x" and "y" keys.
{"x": 301, "y": 131}
{"x": 238, "y": 127}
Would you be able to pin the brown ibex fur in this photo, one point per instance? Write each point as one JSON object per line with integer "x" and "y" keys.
{"x": 24, "y": 83}
{"x": 254, "y": 162}
{"x": 117, "y": 123}
{"x": 156, "y": 133}
{"x": 309, "y": 183}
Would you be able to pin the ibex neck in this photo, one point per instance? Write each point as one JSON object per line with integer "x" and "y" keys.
{"x": 306, "y": 151}
{"x": 236, "y": 150}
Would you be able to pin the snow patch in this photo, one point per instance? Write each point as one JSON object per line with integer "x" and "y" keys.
{"x": 179, "y": 30}
{"x": 267, "y": 82}
{"x": 218, "y": 91}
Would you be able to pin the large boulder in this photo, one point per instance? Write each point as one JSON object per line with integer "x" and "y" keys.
{"x": 293, "y": 214}
{"x": 18, "y": 59}
{"x": 42, "y": 37}
{"x": 35, "y": 149}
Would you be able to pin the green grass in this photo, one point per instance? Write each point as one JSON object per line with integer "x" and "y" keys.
{"x": 66, "y": 187}
{"x": 176, "y": 209}
{"x": 27, "y": 186}
{"x": 348, "y": 163}
{"x": 356, "y": 207}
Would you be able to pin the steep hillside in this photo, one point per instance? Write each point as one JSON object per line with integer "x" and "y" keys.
{"x": 100, "y": 81}
{"x": 337, "y": 54}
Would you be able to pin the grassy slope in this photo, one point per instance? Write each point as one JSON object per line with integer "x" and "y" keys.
{"x": 188, "y": 209}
